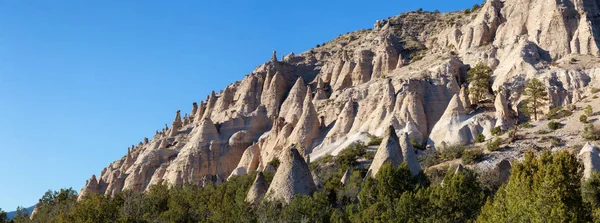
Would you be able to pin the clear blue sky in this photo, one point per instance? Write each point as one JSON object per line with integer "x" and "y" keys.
{"x": 80, "y": 81}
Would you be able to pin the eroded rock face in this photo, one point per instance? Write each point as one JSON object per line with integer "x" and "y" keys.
{"x": 590, "y": 157}
{"x": 406, "y": 74}
{"x": 388, "y": 152}
{"x": 292, "y": 177}
{"x": 258, "y": 189}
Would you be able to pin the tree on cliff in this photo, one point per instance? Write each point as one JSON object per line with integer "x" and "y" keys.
{"x": 536, "y": 97}
{"x": 479, "y": 81}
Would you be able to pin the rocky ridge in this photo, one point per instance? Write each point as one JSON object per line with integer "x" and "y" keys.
{"x": 408, "y": 72}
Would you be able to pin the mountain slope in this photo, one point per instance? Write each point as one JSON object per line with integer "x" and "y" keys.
{"x": 408, "y": 72}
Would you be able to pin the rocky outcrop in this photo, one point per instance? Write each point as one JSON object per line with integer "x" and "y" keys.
{"x": 409, "y": 73}
{"x": 307, "y": 128}
{"x": 388, "y": 152}
{"x": 91, "y": 187}
{"x": 590, "y": 158}
{"x": 408, "y": 154}
{"x": 346, "y": 177}
{"x": 294, "y": 102}
{"x": 292, "y": 177}
{"x": 258, "y": 189}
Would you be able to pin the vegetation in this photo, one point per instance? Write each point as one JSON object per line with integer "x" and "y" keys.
{"x": 546, "y": 188}
{"x": 583, "y": 119}
{"x": 588, "y": 110}
{"x": 493, "y": 145}
{"x": 554, "y": 125}
{"x": 537, "y": 95}
{"x": 558, "y": 113}
{"x": 479, "y": 79}
{"x": 590, "y": 132}
{"x": 375, "y": 141}
{"x": 472, "y": 156}
{"x": 497, "y": 131}
{"x": 480, "y": 138}
{"x": 349, "y": 156}
{"x": 274, "y": 162}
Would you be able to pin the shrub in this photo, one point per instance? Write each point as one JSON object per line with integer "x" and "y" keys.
{"x": 541, "y": 132}
{"x": 475, "y": 7}
{"x": 274, "y": 162}
{"x": 418, "y": 145}
{"x": 590, "y": 132}
{"x": 595, "y": 97}
{"x": 526, "y": 125}
{"x": 375, "y": 141}
{"x": 497, "y": 131}
{"x": 472, "y": 156}
{"x": 370, "y": 155}
{"x": 348, "y": 156}
{"x": 480, "y": 138}
{"x": 554, "y": 125}
{"x": 558, "y": 112}
{"x": 595, "y": 90}
{"x": 583, "y": 118}
{"x": 420, "y": 10}
{"x": 588, "y": 110}
{"x": 493, "y": 145}
{"x": 452, "y": 152}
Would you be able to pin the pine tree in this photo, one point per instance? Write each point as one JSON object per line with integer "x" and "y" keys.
{"x": 536, "y": 96}
{"x": 544, "y": 189}
{"x": 479, "y": 79}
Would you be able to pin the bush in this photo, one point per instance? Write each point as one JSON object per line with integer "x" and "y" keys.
{"x": 554, "y": 125}
{"x": 590, "y": 132}
{"x": 472, "y": 156}
{"x": 583, "y": 118}
{"x": 558, "y": 112}
{"x": 595, "y": 90}
{"x": 588, "y": 110}
{"x": 541, "y": 132}
{"x": 274, "y": 162}
{"x": 497, "y": 131}
{"x": 375, "y": 141}
{"x": 452, "y": 152}
{"x": 493, "y": 145}
{"x": 526, "y": 125}
{"x": 417, "y": 145}
{"x": 480, "y": 138}
{"x": 347, "y": 157}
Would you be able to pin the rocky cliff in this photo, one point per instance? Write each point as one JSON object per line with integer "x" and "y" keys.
{"x": 408, "y": 72}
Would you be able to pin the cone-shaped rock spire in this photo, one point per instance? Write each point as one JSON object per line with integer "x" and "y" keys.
{"x": 388, "y": 151}
{"x": 292, "y": 177}
{"x": 258, "y": 189}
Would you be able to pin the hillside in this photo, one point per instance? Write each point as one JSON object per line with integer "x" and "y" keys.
{"x": 409, "y": 72}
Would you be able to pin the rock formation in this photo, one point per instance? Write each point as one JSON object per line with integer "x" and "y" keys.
{"x": 590, "y": 158}
{"x": 406, "y": 74}
{"x": 388, "y": 151}
{"x": 345, "y": 177}
{"x": 292, "y": 177}
{"x": 258, "y": 189}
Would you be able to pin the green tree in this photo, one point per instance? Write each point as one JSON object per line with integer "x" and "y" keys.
{"x": 591, "y": 194}
{"x": 94, "y": 208}
{"x": 537, "y": 95}
{"x": 2, "y": 216}
{"x": 544, "y": 189}
{"x": 54, "y": 205}
{"x": 479, "y": 79}
{"x": 21, "y": 215}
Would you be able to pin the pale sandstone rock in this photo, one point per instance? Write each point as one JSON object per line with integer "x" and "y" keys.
{"x": 590, "y": 158}
{"x": 292, "y": 177}
{"x": 388, "y": 151}
{"x": 408, "y": 154}
{"x": 294, "y": 102}
{"x": 258, "y": 189}
{"x": 345, "y": 177}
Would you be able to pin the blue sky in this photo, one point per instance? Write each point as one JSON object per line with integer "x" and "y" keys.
{"x": 80, "y": 81}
